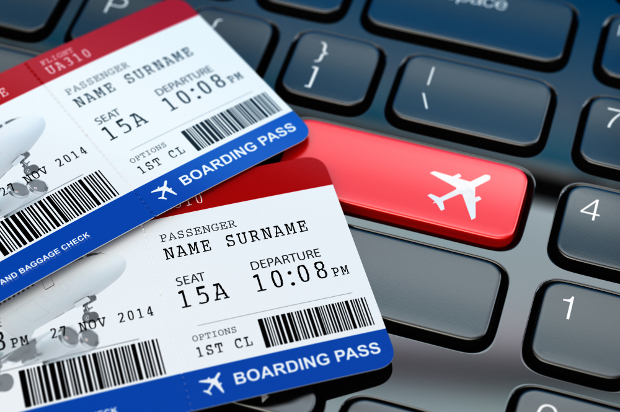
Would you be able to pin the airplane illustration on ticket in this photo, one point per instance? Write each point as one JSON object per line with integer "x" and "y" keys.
{"x": 465, "y": 188}
{"x": 214, "y": 381}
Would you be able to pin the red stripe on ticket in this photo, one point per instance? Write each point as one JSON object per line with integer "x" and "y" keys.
{"x": 262, "y": 181}
{"x": 15, "y": 82}
{"x": 112, "y": 37}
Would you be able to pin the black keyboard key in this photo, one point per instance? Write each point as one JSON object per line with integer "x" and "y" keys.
{"x": 25, "y": 19}
{"x": 597, "y": 148}
{"x": 573, "y": 335}
{"x": 472, "y": 105}
{"x": 586, "y": 232}
{"x": 433, "y": 295}
{"x": 322, "y": 10}
{"x": 98, "y": 13}
{"x": 330, "y": 72}
{"x": 537, "y": 31}
{"x": 10, "y": 58}
{"x": 610, "y": 61}
{"x": 539, "y": 400}
{"x": 374, "y": 405}
{"x": 306, "y": 402}
{"x": 253, "y": 38}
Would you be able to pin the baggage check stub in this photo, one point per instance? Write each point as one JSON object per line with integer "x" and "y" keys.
{"x": 252, "y": 288}
{"x": 114, "y": 128}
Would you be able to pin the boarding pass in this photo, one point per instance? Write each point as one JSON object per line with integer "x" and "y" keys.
{"x": 252, "y": 288}
{"x": 114, "y": 128}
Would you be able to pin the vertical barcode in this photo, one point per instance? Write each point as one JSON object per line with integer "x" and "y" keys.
{"x": 230, "y": 121}
{"x": 54, "y": 210}
{"x": 314, "y": 322}
{"x": 91, "y": 373}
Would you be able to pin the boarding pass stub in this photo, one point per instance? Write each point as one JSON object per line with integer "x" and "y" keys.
{"x": 120, "y": 125}
{"x": 255, "y": 287}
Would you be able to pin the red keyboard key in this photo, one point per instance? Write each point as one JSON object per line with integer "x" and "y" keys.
{"x": 419, "y": 187}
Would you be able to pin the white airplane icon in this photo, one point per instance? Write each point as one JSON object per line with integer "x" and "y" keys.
{"x": 215, "y": 381}
{"x": 464, "y": 188}
{"x": 163, "y": 189}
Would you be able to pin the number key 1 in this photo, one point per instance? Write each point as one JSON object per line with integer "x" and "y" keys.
{"x": 586, "y": 232}
{"x": 573, "y": 335}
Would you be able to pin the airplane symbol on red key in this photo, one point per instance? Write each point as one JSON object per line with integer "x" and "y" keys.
{"x": 462, "y": 187}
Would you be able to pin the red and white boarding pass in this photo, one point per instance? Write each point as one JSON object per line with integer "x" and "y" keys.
{"x": 251, "y": 288}
{"x": 112, "y": 129}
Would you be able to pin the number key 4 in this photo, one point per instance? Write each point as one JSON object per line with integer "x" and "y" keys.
{"x": 586, "y": 232}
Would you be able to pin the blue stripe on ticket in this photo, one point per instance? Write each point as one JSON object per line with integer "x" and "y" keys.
{"x": 126, "y": 212}
{"x": 247, "y": 378}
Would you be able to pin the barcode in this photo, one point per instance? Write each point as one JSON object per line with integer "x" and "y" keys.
{"x": 54, "y": 210}
{"x": 314, "y": 322}
{"x": 230, "y": 121}
{"x": 91, "y": 373}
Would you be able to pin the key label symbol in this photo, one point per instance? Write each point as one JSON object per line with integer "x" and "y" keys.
{"x": 594, "y": 205}
{"x": 462, "y": 187}
{"x": 613, "y": 119}
{"x": 323, "y": 52}
{"x": 112, "y": 4}
{"x": 570, "y": 306}
{"x": 428, "y": 83}
{"x": 216, "y": 22}
{"x": 543, "y": 408}
{"x": 315, "y": 69}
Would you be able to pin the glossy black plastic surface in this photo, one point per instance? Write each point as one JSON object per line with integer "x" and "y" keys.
{"x": 321, "y": 10}
{"x": 489, "y": 108}
{"x": 610, "y": 63}
{"x": 597, "y": 147}
{"x": 254, "y": 39}
{"x": 586, "y": 232}
{"x": 331, "y": 73}
{"x": 540, "y": 400}
{"x": 374, "y": 405}
{"x": 536, "y": 30}
{"x": 98, "y": 13}
{"x": 28, "y": 18}
{"x": 433, "y": 295}
{"x": 573, "y": 335}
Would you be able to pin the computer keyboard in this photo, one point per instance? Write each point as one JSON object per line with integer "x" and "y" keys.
{"x": 519, "y": 319}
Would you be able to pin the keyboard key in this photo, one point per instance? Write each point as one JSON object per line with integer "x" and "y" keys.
{"x": 433, "y": 295}
{"x": 598, "y": 147}
{"x": 539, "y": 400}
{"x": 26, "y": 18}
{"x": 253, "y": 38}
{"x": 418, "y": 187}
{"x": 330, "y": 72}
{"x": 610, "y": 62}
{"x": 274, "y": 403}
{"x": 586, "y": 232}
{"x": 373, "y": 405}
{"x": 472, "y": 105}
{"x": 10, "y": 58}
{"x": 573, "y": 335}
{"x": 98, "y": 13}
{"x": 527, "y": 30}
{"x": 322, "y": 10}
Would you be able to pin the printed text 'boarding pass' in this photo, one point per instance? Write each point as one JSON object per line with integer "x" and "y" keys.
{"x": 116, "y": 127}
{"x": 254, "y": 288}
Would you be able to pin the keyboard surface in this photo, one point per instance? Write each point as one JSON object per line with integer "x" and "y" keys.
{"x": 478, "y": 323}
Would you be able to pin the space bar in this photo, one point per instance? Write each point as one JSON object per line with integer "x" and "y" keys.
{"x": 536, "y": 30}
{"x": 417, "y": 187}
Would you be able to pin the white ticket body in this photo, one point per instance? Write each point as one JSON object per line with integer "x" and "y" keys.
{"x": 118, "y": 126}
{"x": 254, "y": 288}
